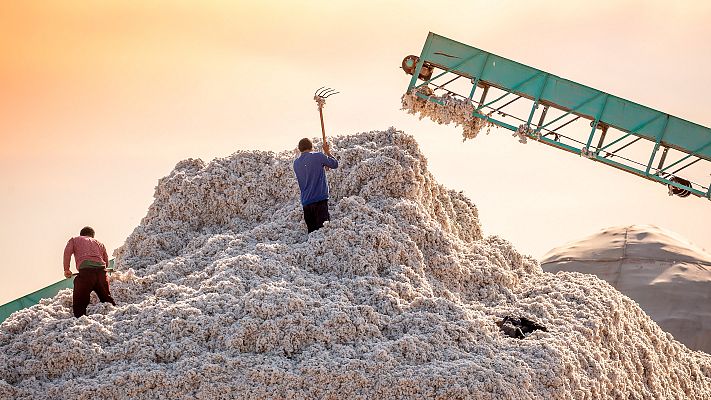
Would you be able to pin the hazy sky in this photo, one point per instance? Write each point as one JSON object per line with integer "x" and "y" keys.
{"x": 98, "y": 100}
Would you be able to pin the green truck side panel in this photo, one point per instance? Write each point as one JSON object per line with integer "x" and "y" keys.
{"x": 34, "y": 298}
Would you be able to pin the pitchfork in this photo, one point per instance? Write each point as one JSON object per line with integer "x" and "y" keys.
{"x": 320, "y": 97}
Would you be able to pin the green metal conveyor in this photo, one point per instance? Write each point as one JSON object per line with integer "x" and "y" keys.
{"x": 34, "y": 298}
{"x": 567, "y": 115}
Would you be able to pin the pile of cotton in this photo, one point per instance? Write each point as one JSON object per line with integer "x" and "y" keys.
{"x": 222, "y": 294}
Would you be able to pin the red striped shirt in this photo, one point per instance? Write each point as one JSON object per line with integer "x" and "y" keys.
{"x": 84, "y": 248}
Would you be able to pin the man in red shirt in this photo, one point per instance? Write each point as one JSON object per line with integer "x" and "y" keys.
{"x": 91, "y": 262}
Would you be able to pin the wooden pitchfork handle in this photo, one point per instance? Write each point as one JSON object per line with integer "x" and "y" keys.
{"x": 323, "y": 130}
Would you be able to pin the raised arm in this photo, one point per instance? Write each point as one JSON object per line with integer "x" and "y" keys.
{"x": 328, "y": 159}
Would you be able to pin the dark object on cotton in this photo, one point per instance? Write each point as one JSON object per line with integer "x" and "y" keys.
{"x": 519, "y": 327}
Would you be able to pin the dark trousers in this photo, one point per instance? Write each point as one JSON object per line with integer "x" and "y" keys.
{"x": 315, "y": 214}
{"x": 88, "y": 280}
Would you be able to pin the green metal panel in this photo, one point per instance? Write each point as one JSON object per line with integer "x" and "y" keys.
{"x": 571, "y": 96}
{"x": 34, "y": 298}
{"x": 535, "y": 84}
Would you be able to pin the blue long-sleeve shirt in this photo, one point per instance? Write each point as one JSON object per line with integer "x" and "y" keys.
{"x": 312, "y": 177}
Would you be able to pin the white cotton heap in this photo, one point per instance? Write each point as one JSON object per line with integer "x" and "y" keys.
{"x": 222, "y": 294}
{"x": 445, "y": 109}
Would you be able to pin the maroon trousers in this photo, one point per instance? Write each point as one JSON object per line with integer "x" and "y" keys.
{"x": 88, "y": 280}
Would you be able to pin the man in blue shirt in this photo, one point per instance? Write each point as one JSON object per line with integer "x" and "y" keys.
{"x": 309, "y": 170}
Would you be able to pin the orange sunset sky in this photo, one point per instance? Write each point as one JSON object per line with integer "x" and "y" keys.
{"x": 100, "y": 99}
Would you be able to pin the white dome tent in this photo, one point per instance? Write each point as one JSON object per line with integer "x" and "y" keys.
{"x": 666, "y": 275}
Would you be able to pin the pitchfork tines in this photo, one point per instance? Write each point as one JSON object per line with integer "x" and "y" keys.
{"x": 322, "y": 94}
